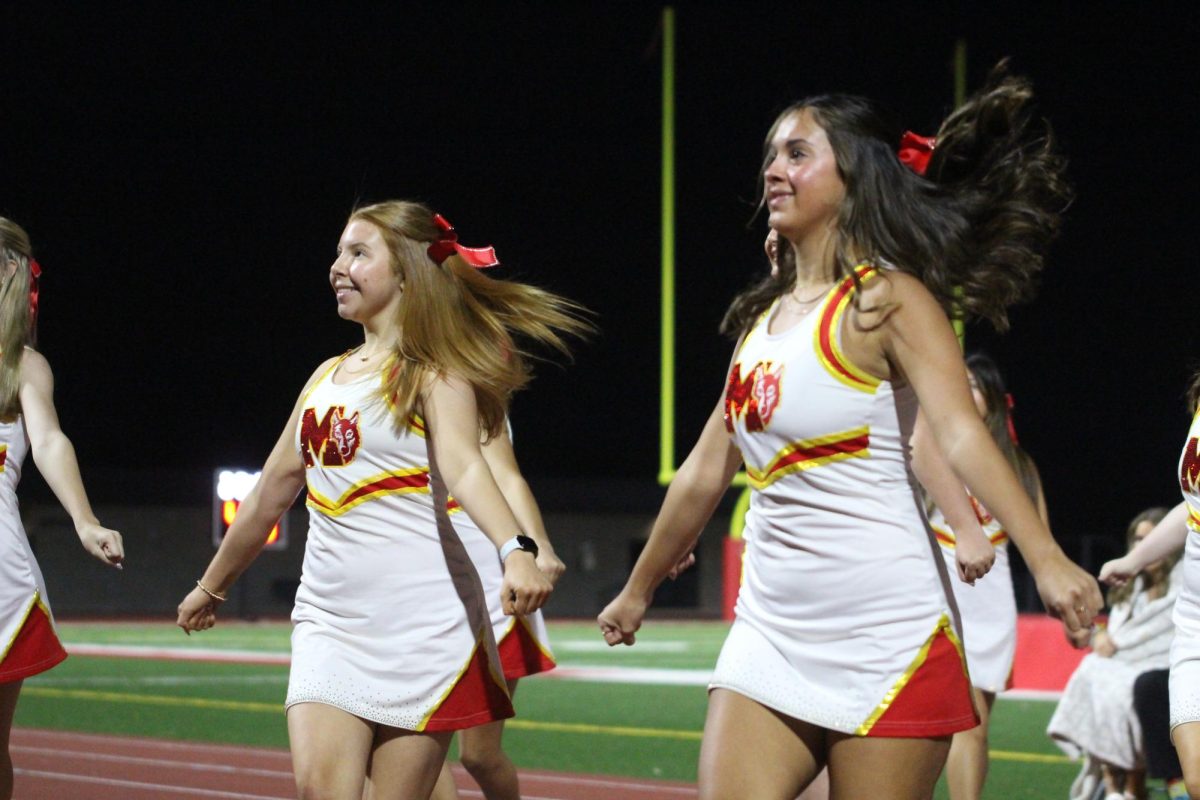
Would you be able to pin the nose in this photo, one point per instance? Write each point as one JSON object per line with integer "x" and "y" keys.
{"x": 337, "y": 267}
{"x": 772, "y": 169}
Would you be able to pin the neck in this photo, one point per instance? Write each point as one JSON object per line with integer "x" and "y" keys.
{"x": 378, "y": 337}
{"x": 814, "y": 262}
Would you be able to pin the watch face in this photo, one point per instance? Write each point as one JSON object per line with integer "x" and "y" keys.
{"x": 528, "y": 545}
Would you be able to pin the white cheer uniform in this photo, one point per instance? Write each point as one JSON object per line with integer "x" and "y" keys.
{"x": 522, "y": 641}
{"x": 28, "y": 643}
{"x": 843, "y": 619}
{"x": 390, "y": 620}
{"x": 987, "y": 610}
{"x": 1185, "y": 649}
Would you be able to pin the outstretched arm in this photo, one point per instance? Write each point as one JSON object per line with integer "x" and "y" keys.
{"x": 1168, "y": 535}
{"x": 691, "y": 499}
{"x": 453, "y": 424}
{"x": 502, "y": 461}
{"x": 282, "y": 479}
{"x": 920, "y": 345}
{"x": 973, "y": 552}
{"x": 55, "y": 458}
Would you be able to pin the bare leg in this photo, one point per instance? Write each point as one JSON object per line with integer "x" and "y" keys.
{"x": 818, "y": 789}
{"x": 330, "y": 751}
{"x": 1187, "y": 743}
{"x": 967, "y": 764}
{"x": 749, "y": 750}
{"x": 405, "y": 765}
{"x": 445, "y": 789}
{"x": 485, "y": 759}
{"x": 8, "y": 708}
{"x": 884, "y": 769}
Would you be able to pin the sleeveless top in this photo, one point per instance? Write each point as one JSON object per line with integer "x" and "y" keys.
{"x": 844, "y": 609}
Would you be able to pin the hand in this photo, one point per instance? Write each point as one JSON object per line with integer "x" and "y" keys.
{"x": 974, "y": 556}
{"x": 102, "y": 543}
{"x": 1119, "y": 571}
{"x": 197, "y": 612}
{"x": 1069, "y": 593}
{"x": 771, "y": 246}
{"x": 550, "y": 565}
{"x": 621, "y": 618}
{"x": 525, "y": 588}
{"x": 1103, "y": 645}
{"x": 683, "y": 565}
{"x": 1079, "y": 639}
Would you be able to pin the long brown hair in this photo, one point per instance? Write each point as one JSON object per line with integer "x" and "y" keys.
{"x": 17, "y": 325}
{"x": 455, "y": 319}
{"x": 998, "y": 418}
{"x": 974, "y": 229}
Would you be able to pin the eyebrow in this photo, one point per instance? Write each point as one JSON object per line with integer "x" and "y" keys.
{"x": 353, "y": 244}
{"x": 793, "y": 142}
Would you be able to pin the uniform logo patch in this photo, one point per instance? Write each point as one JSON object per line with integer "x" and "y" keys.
{"x": 333, "y": 440}
{"x": 1189, "y": 467}
{"x": 755, "y": 397}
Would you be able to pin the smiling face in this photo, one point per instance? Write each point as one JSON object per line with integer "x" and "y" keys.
{"x": 361, "y": 276}
{"x": 803, "y": 191}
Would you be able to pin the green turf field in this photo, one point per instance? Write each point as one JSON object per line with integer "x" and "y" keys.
{"x": 626, "y": 729}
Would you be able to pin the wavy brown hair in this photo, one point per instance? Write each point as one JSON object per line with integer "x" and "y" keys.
{"x": 974, "y": 229}
{"x": 454, "y": 319}
{"x": 17, "y": 325}
{"x": 996, "y": 399}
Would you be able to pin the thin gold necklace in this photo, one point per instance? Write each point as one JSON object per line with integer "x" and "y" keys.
{"x": 813, "y": 299}
{"x": 377, "y": 352}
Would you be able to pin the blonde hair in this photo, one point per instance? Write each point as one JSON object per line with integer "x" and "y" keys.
{"x": 17, "y": 325}
{"x": 454, "y": 319}
{"x": 1158, "y": 577}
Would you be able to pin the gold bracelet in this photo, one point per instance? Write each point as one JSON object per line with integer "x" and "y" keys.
{"x": 210, "y": 592}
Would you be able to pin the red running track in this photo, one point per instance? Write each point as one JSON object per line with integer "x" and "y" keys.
{"x": 57, "y": 765}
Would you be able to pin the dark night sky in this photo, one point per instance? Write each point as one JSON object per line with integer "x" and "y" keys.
{"x": 185, "y": 170}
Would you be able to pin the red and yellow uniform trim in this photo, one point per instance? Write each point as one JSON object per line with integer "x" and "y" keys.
{"x": 3, "y": 456}
{"x": 478, "y": 694}
{"x": 933, "y": 697}
{"x": 521, "y": 653}
{"x": 825, "y": 336}
{"x": 34, "y": 647}
{"x": 404, "y": 481}
{"x": 811, "y": 453}
{"x": 946, "y": 537}
{"x": 1193, "y": 520}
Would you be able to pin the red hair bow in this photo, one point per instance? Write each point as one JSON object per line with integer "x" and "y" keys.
{"x": 1008, "y": 420}
{"x": 35, "y": 273}
{"x": 915, "y": 151}
{"x": 447, "y": 245}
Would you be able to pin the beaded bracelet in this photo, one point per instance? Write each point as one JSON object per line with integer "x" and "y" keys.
{"x": 210, "y": 592}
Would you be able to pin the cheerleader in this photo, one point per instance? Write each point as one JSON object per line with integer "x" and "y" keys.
{"x": 29, "y": 423}
{"x": 988, "y": 608}
{"x": 392, "y": 646}
{"x": 522, "y": 641}
{"x": 844, "y": 652}
{"x": 1179, "y": 528}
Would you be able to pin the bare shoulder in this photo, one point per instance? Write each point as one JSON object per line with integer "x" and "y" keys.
{"x": 316, "y": 375}
{"x": 35, "y": 368}
{"x": 431, "y": 379}
{"x": 898, "y": 298}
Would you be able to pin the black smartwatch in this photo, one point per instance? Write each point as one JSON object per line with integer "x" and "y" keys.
{"x": 518, "y": 542}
